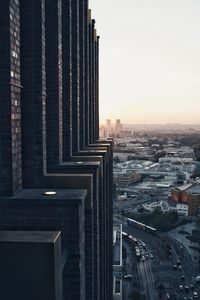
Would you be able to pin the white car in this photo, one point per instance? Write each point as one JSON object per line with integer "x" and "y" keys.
{"x": 143, "y": 258}
{"x": 195, "y": 295}
{"x": 180, "y": 287}
{"x": 151, "y": 255}
{"x": 129, "y": 276}
{"x": 186, "y": 288}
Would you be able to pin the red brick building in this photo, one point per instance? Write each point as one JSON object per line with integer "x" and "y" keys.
{"x": 189, "y": 194}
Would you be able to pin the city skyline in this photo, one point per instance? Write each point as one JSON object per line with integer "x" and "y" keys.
{"x": 149, "y": 60}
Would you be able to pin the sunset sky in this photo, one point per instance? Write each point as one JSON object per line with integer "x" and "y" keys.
{"x": 149, "y": 60}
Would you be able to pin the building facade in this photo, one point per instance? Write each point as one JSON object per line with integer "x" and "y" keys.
{"x": 118, "y": 128}
{"x": 189, "y": 195}
{"x": 55, "y": 173}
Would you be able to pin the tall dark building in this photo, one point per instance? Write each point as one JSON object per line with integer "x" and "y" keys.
{"x": 33, "y": 74}
{"x": 10, "y": 105}
{"x": 56, "y": 175}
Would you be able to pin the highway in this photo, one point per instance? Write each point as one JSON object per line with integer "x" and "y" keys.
{"x": 144, "y": 272}
{"x": 147, "y": 278}
{"x": 159, "y": 271}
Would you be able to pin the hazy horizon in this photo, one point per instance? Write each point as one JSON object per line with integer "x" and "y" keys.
{"x": 149, "y": 60}
{"x": 113, "y": 121}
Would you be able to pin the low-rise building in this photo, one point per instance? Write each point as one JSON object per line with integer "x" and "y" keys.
{"x": 188, "y": 194}
{"x": 126, "y": 177}
{"x": 125, "y": 133}
{"x": 182, "y": 209}
{"x": 166, "y": 206}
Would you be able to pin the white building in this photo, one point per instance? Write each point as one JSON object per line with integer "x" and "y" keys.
{"x": 182, "y": 209}
{"x": 166, "y": 206}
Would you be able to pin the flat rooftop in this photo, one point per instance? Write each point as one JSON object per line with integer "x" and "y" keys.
{"x": 29, "y": 236}
{"x": 57, "y": 196}
{"x": 194, "y": 189}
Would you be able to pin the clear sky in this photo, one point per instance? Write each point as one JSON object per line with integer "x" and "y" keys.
{"x": 149, "y": 60}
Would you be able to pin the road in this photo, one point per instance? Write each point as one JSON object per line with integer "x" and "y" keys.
{"x": 160, "y": 271}
{"x": 147, "y": 278}
{"x": 143, "y": 270}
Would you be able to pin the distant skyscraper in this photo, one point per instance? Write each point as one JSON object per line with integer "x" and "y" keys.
{"x": 108, "y": 127}
{"x": 49, "y": 138}
{"x": 118, "y": 127}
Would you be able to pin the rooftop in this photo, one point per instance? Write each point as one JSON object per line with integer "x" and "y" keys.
{"x": 57, "y": 196}
{"x": 194, "y": 189}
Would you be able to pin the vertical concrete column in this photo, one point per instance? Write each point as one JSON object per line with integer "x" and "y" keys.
{"x": 91, "y": 117}
{"x": 54, "y": 113}
{"x": 87, "y": 92}
{"x": 30, "y": 265}
{"x": 67, "y": 77}
{"x": 75, "y": 77}
{"x": 97, "y": 88}
{"x": 34, "y": 92}
{"x": 10, "y": 95}
{"x": 110, "y": 222}
{"x": 82, "y": 24}
{"x": 93, "y": 99}
{"x": 92, "y": 83}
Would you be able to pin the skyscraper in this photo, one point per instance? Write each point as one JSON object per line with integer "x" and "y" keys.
{"x": 10, "y": 91}
{"x": 118, "y": 127}
{"x": 49, "y": 138}
{"x": 108, "y": 127}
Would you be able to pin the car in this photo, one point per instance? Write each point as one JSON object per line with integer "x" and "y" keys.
{"x": 178, "y": 262}
{"x": 151, "y": 255}
{"x": 168, "y": 296}
{"x": 191, "y": 287}
{"x": 147, "y": 256}
{"x": 179, "y": 268}
{"x": 175, "y": 267}
{"x": 180, "y": 287}
{"x": 128, "y": 276}
{"x": 195, "y": 295}
{"x": 186, "y": 288}
{"x": 183, "y": 278}
{"x": 143, "y": 258}
{"x": 197, "y": 279}
{"x": 185, "y": 298}
{"x": 143, "y": 244}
